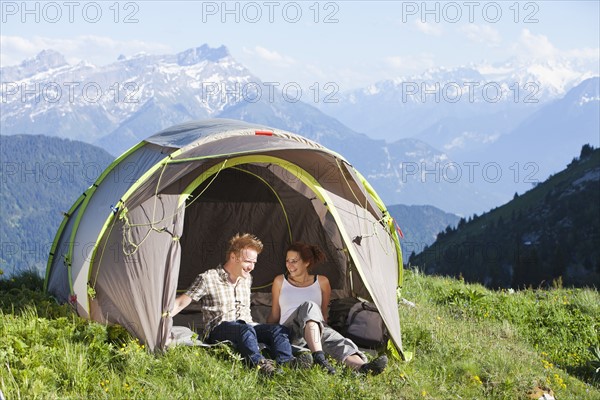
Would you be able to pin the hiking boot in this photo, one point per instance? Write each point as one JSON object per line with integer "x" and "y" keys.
{"x": 304, "y": 360}
{"x": 320, "y": 360}
{"x": 268, "y": 368}
{"x": 375, "y": 367}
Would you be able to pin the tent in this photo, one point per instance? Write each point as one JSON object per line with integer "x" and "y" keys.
{"x": 164, "y": 210}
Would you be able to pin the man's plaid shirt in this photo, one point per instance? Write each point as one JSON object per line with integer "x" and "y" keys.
{"x": 219, "y": 299}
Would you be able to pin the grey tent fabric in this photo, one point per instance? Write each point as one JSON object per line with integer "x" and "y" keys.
{"x": 76, "y": 244}
{"x": 140, "y": 284}
{"x": 57, "y": 274}
{"x": 163, "y": 212}
{"x": 372, "y": 248}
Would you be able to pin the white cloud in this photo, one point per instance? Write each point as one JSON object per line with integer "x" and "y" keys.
{"x": 428, "y": 29}
{"x": 538, "y": 48}
{"x": 272, "y": 56}
{"x": 316, "y": 71}
{"x": 556, "y": 69}
{"x": 413, "y": 63}
{"x": 585, "y": 56}
{"x": 534, "y": 46}
{"x": 98, "y": 50}
{"x": 482, "y": 34}
{"x": 347, "y": 78}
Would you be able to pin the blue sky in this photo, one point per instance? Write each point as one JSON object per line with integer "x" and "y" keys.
{"x": 354, "y": 43}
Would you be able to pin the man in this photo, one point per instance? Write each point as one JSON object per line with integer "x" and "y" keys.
{"x": 224, "y": 296}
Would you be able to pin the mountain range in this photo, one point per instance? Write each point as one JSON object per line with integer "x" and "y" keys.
{"x": 441, "y": 156}
{"x": 420, "y": 225}
{"x": 41, "y": 177}
{"x": 428, "y": 105}
{"x": 548, "y": 234}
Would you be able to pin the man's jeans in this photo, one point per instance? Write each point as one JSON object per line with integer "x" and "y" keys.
{"x": 246, "y": 337}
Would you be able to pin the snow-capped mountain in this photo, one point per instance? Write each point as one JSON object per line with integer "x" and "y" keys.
{"x": 44, "y": 61}
{"x": 117, "y": 105}
{"x": 552, "y": 136}
{"x": 460, "y": 109}
{"x": 408, "y": 171}
{"x": 126, "y": 99}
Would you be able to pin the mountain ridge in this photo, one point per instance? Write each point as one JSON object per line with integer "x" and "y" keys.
{"x": 548, "y": 233}
{"x": 118, "y": 105}
{"x": 42, "y": 176}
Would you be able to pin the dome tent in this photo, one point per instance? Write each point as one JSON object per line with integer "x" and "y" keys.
{"x": 163, "y": 212}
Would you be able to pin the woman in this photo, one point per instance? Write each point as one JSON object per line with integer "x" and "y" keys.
{"x": 300, "y": 302}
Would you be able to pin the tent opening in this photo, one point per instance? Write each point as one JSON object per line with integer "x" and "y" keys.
{"x": 252, "y": 198}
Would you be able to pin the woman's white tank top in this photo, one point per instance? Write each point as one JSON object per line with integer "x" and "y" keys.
{"x": 291, "y": 297}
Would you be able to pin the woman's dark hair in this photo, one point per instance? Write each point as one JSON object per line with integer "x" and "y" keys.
{"x": 308, "y": 253}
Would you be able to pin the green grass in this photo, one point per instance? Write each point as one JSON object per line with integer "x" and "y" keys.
{"x": 468, "y": 343}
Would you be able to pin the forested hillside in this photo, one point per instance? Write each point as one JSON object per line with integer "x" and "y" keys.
{"x": 41, "y": 177}
{"x": 551, "y": 232}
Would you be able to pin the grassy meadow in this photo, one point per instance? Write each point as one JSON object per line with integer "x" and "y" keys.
{"x": 467, "y": 342}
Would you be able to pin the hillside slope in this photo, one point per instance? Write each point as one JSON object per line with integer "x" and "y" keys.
{"x": 41, "y": 177}
{"x": 548, "y": 232}
{"x": 468, "y": 343}
{"x": 420, "y": 225}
